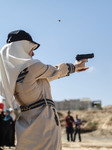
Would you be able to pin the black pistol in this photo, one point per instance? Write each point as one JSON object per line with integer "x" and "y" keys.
{"x": 84, "y": 56}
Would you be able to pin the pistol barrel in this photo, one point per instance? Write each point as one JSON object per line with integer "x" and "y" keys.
{"x": 84, "y": 56}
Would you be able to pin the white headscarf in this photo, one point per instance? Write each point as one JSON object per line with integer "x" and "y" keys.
{"x": 14, "y": 58}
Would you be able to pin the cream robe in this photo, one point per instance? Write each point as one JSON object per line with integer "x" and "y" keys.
{"x": 36, "y": 128}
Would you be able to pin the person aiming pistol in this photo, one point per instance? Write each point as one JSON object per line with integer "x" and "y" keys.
{"x": 28, "y": 80}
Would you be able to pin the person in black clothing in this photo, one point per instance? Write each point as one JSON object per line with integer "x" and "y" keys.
{"x": 69, "y": 126}
{"x": 1, "y": 128}
{"x": 77, "y": 128}
{"x": 8, "y": 129}
{"x": 13, "y": 126}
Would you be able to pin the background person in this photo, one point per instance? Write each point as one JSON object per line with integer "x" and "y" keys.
{"x": 78, "y": 123}
{"x": 7, "y": 129}
{"x": 1, "y": 127}
{"x": 13, "y": 125}
{"x": 69, "y": 120}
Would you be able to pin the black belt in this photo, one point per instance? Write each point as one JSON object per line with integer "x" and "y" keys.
{"x": 38, "y": 104}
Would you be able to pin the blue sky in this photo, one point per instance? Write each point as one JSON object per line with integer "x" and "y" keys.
{"x": 85, "y": 27}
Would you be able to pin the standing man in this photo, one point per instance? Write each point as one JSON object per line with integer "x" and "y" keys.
{"x": 78, "y": 123}
{"x": 69, "y": 120}
{"x": 28, "y": 80}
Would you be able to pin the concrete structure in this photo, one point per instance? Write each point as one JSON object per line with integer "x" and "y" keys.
{"x": 72, "y": 104}
{"x": 75, "y": 104}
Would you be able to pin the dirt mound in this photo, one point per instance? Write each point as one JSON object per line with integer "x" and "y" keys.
{"x": 99, "y": 121}
{"x": 108, "y": 107}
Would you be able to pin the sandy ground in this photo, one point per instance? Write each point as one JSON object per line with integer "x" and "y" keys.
{"x": 89, "y": 142}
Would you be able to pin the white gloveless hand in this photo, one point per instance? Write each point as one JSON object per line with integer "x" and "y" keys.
{"x": 80, "y": 65}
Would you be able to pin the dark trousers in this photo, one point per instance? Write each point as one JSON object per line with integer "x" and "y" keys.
{"x": 69, "y": 132}
{"x": 77, "y": 130}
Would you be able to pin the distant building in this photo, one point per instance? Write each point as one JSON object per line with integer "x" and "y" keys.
{"x": 72, "y": 104}
{"x": 77, "y": 104}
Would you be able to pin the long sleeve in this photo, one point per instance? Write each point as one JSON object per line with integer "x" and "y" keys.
{"x": 42, "y": 71}
{"x": 35, "y": 85}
